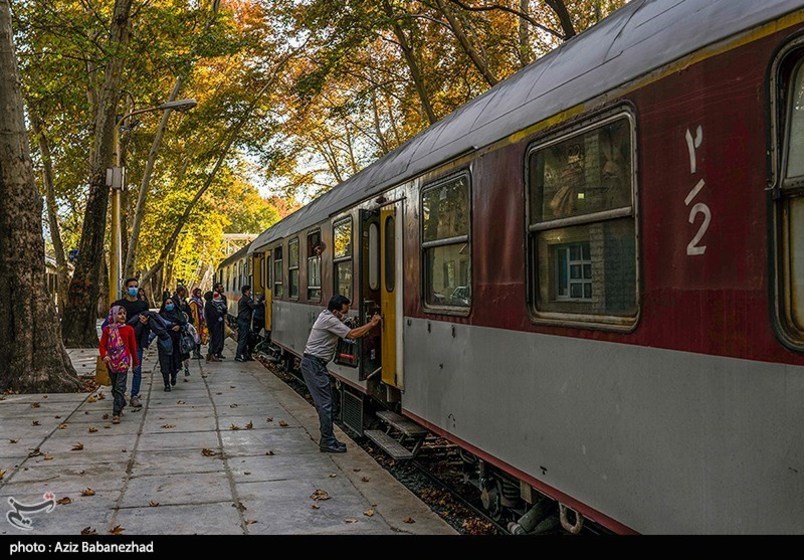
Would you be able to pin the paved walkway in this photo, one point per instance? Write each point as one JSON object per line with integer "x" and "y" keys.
{"x": 231, "y": 451}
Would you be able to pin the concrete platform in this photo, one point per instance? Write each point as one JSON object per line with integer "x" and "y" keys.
{"x": 150, "y": 475}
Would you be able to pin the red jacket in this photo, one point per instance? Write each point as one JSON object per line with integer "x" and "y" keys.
{"x": 129, "y": 340}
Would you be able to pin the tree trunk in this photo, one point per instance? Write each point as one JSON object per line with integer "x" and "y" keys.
{"x": 32, "y": 357}
{"x": 525, "y": 50}
{"x": 52, "y": 215}
{"x": 560, "y": 8}
{"x": 480, "y": 63}
{"x": 410, "y": 59}
{"x": 80, "y": 312}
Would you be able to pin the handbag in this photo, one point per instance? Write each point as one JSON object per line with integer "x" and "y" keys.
{"x": 346, "y": 354}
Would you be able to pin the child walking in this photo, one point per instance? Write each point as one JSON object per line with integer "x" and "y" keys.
{"x": 118, "y": 348}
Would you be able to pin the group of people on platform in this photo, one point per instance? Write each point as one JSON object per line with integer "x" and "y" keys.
{"x": 181, "y": 327}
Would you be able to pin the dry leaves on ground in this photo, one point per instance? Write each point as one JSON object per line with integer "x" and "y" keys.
{"x": 283, "y": 423}
{"x": 88, "y": 531}
{"x": 320, "y": 495}
{"x": 2, "y": 474}
{"x": 350, "y": 520}
{"x": 168, "y": 426}
{"x": 62, "y": 426}
{"x": 78, "y": 446}
{"x": 408, "y": 520}
{"x": 57, "y": 417}
{"x": 365, "y": 479}
{"x": 35, "y": 423}
{"x": 116, "y": 530}
{"x": 369, "y": 513}
{"x": 232, "y": 387}
{"x": 92, "y": 429}
{"x": 48, "y": 457}
{"x": 64, "y": 501}
{"x": 35, "y": 453}
{"x": 92, "y": 399}
{"x": 101, "y": 396}
{"x": 34, "y": 405}
{"x": 87, "y": 492}
{"x": 233, "y": 405}
{"x": 234, "y": 427}
{"x": 355, "y": 470}
{"x": 181, "y": 402}
{"x": 269, "y": 452}
{"x": 13, "y": 441}
{"x": 208, "y": 452}
{"x": 332, "y": 475}
{"x": 269, "y": 419}
{"x": 315, "y": 506}
{"x": 250, "y": 521}
{"x": 250, "y": 425}
{"x": 106, "y": 416}
{"x": 153, "y": 503}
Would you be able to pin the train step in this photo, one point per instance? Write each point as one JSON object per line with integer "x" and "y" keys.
{"x": 399, "y": 422}
{"x": 389, "y": 445}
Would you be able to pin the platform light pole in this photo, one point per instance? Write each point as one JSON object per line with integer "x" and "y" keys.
{"x": 116, "y": 179}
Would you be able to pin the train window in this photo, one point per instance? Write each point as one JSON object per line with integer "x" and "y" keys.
{"x": 582, "y": 227}
{"x": 374, "y": 257}
{"x": 446, "y": 247}
{"x": 342, "y": 257}
{"x": 278, "y": 273}
{"x": 314, "y": 249}
{"x": 293, "y": 268}
{"x": 390, "y": 253}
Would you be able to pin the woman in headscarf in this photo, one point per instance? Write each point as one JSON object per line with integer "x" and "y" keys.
{"x": 198, "y": 320}
{"x": 214, "y": 315}
{"x": 175, "y": 319}
{"x": 118, "y": 349}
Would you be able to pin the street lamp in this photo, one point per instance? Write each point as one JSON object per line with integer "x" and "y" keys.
{"x": 115, "y": 178}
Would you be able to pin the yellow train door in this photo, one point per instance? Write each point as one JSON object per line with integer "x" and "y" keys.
{"x": 390, "y": 293}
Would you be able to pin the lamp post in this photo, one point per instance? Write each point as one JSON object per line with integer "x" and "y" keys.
{"x": 115, "y": 178}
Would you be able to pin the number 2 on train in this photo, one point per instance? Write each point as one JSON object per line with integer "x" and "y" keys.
{"x": 693, "y": 143}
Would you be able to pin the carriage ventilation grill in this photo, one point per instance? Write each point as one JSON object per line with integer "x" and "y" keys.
{"x": 352, "y": 410}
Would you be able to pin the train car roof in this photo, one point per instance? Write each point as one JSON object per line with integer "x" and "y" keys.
{"x": 640, "y": 37}
{"x": 242, "y": 252}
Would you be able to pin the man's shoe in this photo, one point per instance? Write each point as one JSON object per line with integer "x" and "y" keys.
{"x": 332, "y": 449}
{"x": 135, "y": 402}
{"x": 115, "y": 419}
{"x": 241, "y": 360}
{"x": 167, "y": 388}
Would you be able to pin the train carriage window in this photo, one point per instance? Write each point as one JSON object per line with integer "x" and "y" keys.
{"x": 293, "y": 268}
{"x": 278, "y": 273}
{"x": 314, "y": 250}
{"x": 342, "y": 257}
{"x": 446, "y": 246}
{"x": 582, "y": 227}
{"x": 374, "y": 256}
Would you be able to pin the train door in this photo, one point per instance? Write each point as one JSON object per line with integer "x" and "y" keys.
{"x": 391, "y": 293}
{"x": 267, "y": 288}
{"x": 369, "y": 283}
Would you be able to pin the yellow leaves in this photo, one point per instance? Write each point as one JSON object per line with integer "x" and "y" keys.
{"x": 350, "y": 520}
{"x": 167, "y": 426}
{"x": 283, "y": 423}
{"x": 369, "y": 513}
{"x": 88, "y": 531}
{"x": 92, "y": 429}
{"x": 78, "y": 446}
{"x": 92, "y": 399}
{"x": 116, "y": 530}
{"x": 87, "y": 492}
{"x": 315, "y": 506}
{"x": 64, "y": 501}
{"x": 320, "y": 495}
{"x": 62, "y": 426}
{"x": 153, "y": 503}
{"x": 208, "y": 452}
{"x": 2, "y": 474}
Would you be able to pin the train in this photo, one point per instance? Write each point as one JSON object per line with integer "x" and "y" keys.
{"x": 590, "y": 276}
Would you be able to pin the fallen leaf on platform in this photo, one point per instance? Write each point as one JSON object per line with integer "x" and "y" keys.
{"x": 332, "y": 475}
{"x": 250, "y": 425}
{"x": 208, "y": 452}
{"x": 218, "y": 393}
{"x": 87, "y": 492}
{"x": 86, "y": 412}
{"x": 168, "y": 426}
{"x": 250, "y": 521}
{"x": 117, "y": 530}
{"x": 369, "y": 513}
{"x": 105, "y": 416}
{"x": 101, "y": 396}
{"x": 240, "y": 506}
{"x": 44, "y": 396}
{"x": 365, "y": 479}
{"x": 62, "y": 426}
{"x": 153, "y": 503}
{"x": 13, "y": 441}
{"x": 2, "y": 474}
{"x": 320, "y": 495}
{"x": 269, "y": 452}
{"x": 92, "y": 399}
{"x": 57, "y": 417}
{"x": 35, "y": 453}
{"x": 408, "y": 520}
{"x": 35, "y": 423}
{"x": 82, "y": 472}
{"x": 181, "y": 402}
{"x": 234, "y": 427}
{"x": 64, "y": 501}
{"x": 34, "y": 405}
{"x": 232, "y": 387}
{"x": 106, "y": 427}
{"x": 315, "y": 506}
{"x": 283, "y": 423}
{"x": 355, "y": 470}
{"x": 88, "y": 531}
{"x": 78, "y": 446}
{"x": 350, "y": 520}
{"x": 92, "y": 429}
{"x": 234, "y": 405}
{"x": 48, "y": 457}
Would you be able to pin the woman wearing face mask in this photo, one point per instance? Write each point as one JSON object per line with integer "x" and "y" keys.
{"x": 175, "y": 320}
{"x": 214, "y": 316}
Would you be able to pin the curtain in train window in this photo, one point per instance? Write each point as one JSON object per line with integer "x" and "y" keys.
{"x": 342, "y": 257}
{"x": 314, "y": 250}
{"x": 446, "y": 247}
{"x": 293, "y": 268}
{"x": 278, "y": 273}
{"x": 582, "y": 223}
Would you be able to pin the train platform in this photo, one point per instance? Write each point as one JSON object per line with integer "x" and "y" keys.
{"x": 231, "y": 450}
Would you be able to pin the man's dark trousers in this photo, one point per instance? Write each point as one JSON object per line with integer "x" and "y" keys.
{"x": 314, "y": 371}
{"x": 242, "y": 339}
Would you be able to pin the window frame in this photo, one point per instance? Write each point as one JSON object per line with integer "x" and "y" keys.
{"x": 278, "y": 280}
{"x": 585, "y": 320}
{"x": 297, "y": 268}
{"x": 425, "y": 245}
{"x": 336, "y": 261}
{"x": 783, "y": 192}
{"x": 308, "y": 260}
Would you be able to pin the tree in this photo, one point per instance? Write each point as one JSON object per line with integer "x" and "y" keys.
{"x": 32, "y": 357}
